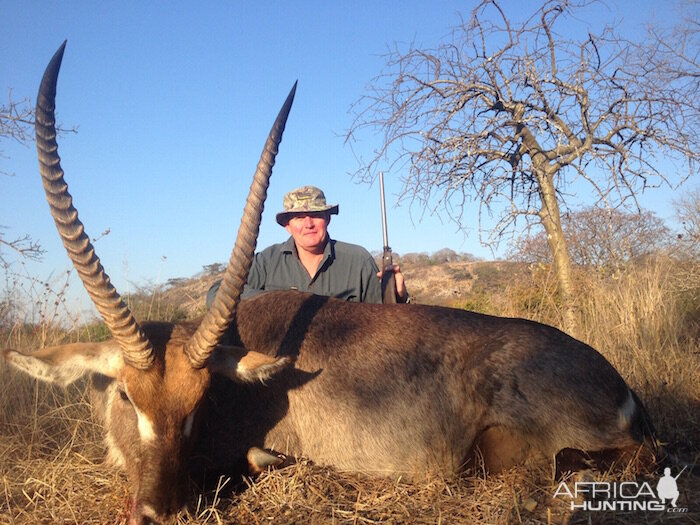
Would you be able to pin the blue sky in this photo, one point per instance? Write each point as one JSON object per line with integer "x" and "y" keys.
{"x": 173, "y": 102}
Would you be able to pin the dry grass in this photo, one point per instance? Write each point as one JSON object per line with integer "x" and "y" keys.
{"x": 50, "y": 455}
{"x": 645, "y": 321}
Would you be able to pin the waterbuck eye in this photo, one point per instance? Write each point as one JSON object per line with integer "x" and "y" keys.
{"x": 122, "y": 394}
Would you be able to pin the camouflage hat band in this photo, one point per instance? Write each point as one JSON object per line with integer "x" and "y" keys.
{"x": 307, "y": 199}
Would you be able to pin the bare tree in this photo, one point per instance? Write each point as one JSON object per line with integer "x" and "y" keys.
{"x": 25, "y": 246}
{"x": 599, "y": 238}
{"x": 688, "y": 243}
{"x": 514, "y": 114}
{"x": 17, "y": 124}
{"x": 688, "y": 213}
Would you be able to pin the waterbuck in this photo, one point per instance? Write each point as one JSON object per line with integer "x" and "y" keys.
{"x": 383, "y": 389}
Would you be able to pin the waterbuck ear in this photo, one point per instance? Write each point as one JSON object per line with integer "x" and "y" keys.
{"x": 64, "y": 364}
{"x": 245, "y": 366}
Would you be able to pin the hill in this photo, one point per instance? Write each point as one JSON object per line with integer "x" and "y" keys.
{"x": 458, "y": 283}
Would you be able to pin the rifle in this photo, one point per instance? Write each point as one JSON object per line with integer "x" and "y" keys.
{"x": 388, "y": 281}
{"x": 681, "y": 472}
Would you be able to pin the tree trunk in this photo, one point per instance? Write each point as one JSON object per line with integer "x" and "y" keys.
{"x": 550, "y": 217}
{"x": 551, "y": 220}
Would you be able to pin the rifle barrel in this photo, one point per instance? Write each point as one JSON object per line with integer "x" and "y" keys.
{"x": 381, "y": 194}
{"x": 681, "y": 472}
{"x": 388, "y": 281}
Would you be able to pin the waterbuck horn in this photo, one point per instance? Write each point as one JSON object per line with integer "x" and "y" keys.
{"x": 222, "y": 311}
{"x": 136, "y": 347}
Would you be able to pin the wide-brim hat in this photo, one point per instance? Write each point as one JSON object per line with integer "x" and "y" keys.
{"x": 304, "y": 200}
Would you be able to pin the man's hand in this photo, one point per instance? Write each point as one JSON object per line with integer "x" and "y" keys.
{"x": 401, "y": 292}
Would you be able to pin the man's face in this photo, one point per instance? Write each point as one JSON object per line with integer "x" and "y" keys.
{"x": 309, "y": 230}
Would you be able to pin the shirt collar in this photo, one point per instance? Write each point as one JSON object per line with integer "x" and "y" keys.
{"x": 328, "y": 252}
{"x": 289, "y": 247}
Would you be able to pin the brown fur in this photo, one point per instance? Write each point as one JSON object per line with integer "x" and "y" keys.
{"x": 409, "y": 389}
{"x": 385, "y": 389}
{"x": 166, "y": 394}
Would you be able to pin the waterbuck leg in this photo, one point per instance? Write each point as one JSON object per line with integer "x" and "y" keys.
{"x": 500, "y": 449}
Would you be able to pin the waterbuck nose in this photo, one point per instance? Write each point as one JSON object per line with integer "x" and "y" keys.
{"x": 144, "y": 514}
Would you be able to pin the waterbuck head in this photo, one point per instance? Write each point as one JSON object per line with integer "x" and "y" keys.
{"x": 148, "y": 380}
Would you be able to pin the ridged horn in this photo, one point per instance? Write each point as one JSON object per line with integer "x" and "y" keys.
{"x": 136, "y": 347}
{"x": 222, "y": 311}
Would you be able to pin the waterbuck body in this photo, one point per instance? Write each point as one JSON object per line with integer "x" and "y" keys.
{"x": 413, "y": 389}
{"x": 387, "y": 389}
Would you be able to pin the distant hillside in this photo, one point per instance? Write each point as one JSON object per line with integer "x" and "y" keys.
{"x": 457, "y": 283}
{"x": 461, "y": 283}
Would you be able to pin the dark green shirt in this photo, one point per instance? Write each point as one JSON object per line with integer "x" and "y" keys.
{"x": 347, "y": 271}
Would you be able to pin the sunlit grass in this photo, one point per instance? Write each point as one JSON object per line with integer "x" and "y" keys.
{"x": 643, "y": 319}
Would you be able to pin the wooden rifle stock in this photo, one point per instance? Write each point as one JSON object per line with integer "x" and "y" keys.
{"x": 388, "y": 279}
